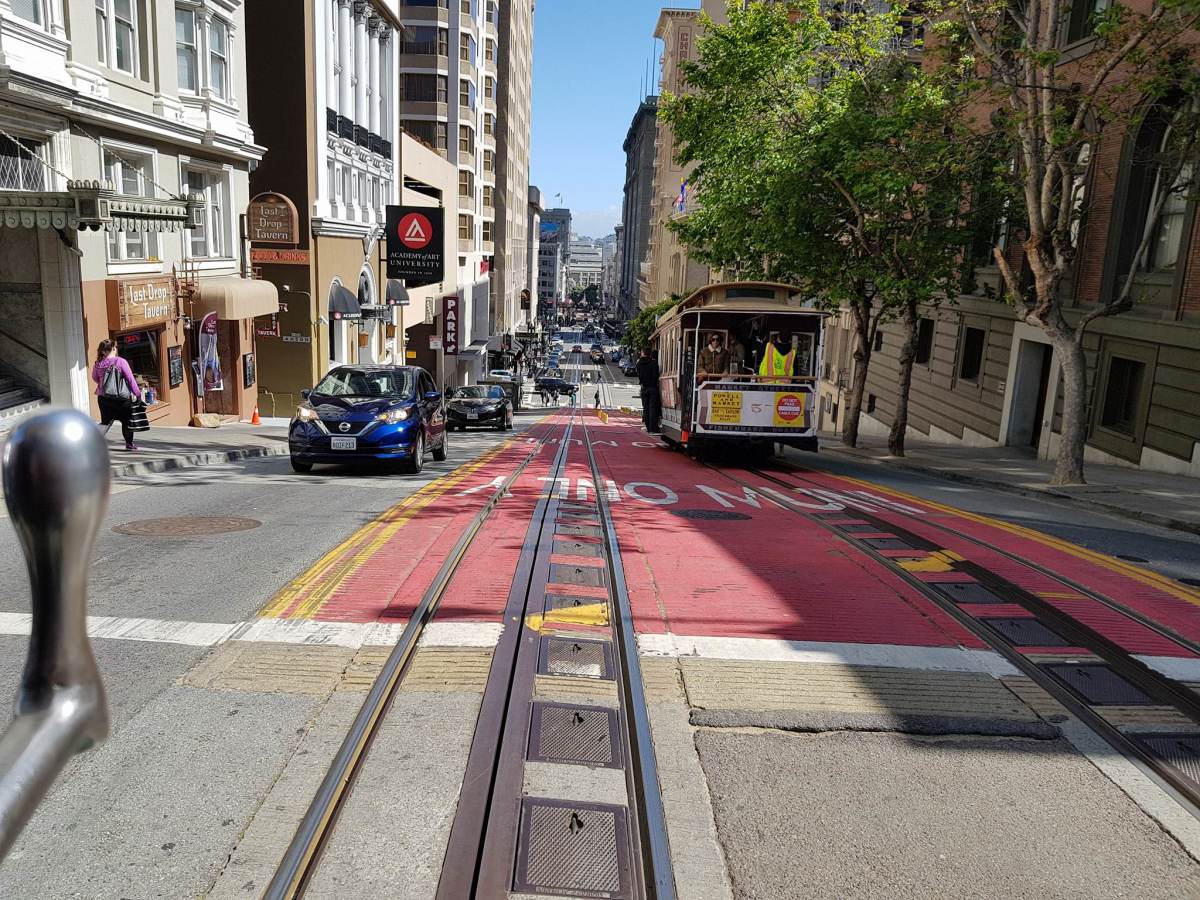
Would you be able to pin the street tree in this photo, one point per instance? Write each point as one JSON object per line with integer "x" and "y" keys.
{"x": 825, "y": 158}
{"x": 1064, "y": 80}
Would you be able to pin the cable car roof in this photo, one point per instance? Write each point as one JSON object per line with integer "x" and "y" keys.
{"x": 751, "y": 297}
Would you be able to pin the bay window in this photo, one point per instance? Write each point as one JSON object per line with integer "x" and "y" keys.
{"x": 117, "y": 41}
{"x": 210, "y": 239}
{"x": 186, "y": 56}
{"x": 218, "y": 59}
{"x": 131, "y": 174}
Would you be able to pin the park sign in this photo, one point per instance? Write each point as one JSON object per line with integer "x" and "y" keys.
{"x": 415, "y": 239}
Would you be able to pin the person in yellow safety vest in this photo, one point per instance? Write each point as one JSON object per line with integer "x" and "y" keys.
{"x": 776, "y": 362}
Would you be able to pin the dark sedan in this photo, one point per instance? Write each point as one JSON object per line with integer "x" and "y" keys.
{"x": 484, "y": 406}
{"x": 369, "y": 413}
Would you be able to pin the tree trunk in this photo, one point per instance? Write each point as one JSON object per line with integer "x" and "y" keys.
{"x": 908, "y": 352}
{"x": 861, "y": 310}
{"x": 1068, "y": 468}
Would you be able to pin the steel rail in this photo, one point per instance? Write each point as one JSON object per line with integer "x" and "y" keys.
{"x": 302, "y": 855}
{"x": 659, "y": 874}
{"x": 1115, "y": 605}
{"x": 468, "y": 832}
{"x": 1167, "y": 776}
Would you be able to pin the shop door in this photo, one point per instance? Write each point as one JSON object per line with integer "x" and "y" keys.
{"x": 224, "y": 402}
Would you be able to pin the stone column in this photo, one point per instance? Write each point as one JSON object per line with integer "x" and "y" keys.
{"x": 387, "y": 90}
{"x": 331, "y": 79}
{"x": 374, "y": 27}
{"x": 360, "y": 62}
{"x": 346, "y": 55}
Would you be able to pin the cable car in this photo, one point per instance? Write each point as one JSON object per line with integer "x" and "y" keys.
{"x": 767, "y": 391}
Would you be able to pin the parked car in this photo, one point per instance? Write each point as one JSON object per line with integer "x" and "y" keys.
{"x": 479, "y": 405}
{"x": 501, "y": 374}
{"x": 555, "y": 384}
{"x": 628, "y": 368}
{"x": 578, "y": 348}
{"x": 369, "y": 413}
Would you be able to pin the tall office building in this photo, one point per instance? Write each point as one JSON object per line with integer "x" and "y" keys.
{"x": 635, "y": 214}
{"x": 511, "y": 162}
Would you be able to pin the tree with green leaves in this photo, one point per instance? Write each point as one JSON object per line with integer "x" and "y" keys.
{"x": 640, "y": 328}
{"x": 1065, "y": 78}
{"x": 824, "y": 157}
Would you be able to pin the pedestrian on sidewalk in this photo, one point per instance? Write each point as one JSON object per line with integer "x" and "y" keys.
{"x": 597, "y": 399}
{"x": 117, "y": 393}
{"x": 647, "y": 375}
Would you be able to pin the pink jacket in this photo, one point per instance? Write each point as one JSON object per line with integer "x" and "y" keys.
{"x": 107, "y": 363}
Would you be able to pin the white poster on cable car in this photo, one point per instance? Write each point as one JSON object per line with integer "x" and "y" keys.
{"x": 731, "y": 408}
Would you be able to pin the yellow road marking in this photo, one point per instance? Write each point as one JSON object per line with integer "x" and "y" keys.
{"x": 1153, "y": 579}
{"x": 937, "y": 561}
{"x": 588, "y": 614}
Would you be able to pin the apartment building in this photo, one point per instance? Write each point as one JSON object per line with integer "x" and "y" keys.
{"x": 550, "y": 284}
{"x": 666, "y": 268}
{"x": 530, "y": 313}
{"x": 125, "y": 151}
{"x": 637, "y": 206}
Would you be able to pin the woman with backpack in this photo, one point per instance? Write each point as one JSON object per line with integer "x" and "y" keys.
{"x": 118, "y": 393}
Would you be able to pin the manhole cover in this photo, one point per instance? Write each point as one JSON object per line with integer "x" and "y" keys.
{"x": 709, "y": 514}
{"x": 186, "y": 526}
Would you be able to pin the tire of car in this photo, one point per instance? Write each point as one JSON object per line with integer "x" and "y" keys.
{"x": 417, "y": 463}
{"x": 439, "y": 452}
{"x": 302, "y": 468}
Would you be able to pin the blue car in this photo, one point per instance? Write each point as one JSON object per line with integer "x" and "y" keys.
{"x": 369, "y": 413}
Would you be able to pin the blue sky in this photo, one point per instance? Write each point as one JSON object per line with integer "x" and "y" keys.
{"x": 589, "y": 62}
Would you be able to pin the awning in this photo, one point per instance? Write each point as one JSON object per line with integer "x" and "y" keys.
{"x": 476, "y": 348}
{"x": 397, "y": 294}
{"x": 235, "y": 298}
{"x": 343, "y": 304}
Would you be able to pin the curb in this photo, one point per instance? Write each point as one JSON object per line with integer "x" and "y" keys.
{"x": 194, "y": 460}
{"x": 1040, "y": 494}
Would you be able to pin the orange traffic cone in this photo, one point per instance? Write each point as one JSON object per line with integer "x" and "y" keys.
{"x": 254, "y": 419}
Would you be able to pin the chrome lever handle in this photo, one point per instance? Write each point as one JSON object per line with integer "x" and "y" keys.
{"x": 56, "y": 482}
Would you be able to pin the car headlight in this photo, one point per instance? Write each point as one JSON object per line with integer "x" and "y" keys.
{"x": 306, "y": 413}
{"x": 392, "y": 416}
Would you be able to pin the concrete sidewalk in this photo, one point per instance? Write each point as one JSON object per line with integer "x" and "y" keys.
{"x": 1172, "y": 501}
{"x": 167, "y": 449}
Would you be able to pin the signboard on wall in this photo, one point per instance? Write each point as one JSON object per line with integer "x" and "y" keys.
{"x": 450, "y": 323}
{"x": 248, "y": 373}
{"x": 174, "y": 366}
{"x": 415, "y": 242}
{"x": 141, "y": 302}
{"x": 263, "y": 256}
{"x": 271, "y": 218}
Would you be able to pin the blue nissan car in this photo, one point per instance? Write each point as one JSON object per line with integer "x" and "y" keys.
{"x": 369, "y": 413}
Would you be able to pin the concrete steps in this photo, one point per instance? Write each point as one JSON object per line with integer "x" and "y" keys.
{"x": 16, "y": 402}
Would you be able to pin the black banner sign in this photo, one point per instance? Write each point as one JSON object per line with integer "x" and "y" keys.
{"x": 415, "y": 244}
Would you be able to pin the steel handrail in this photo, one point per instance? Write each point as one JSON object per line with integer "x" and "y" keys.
{"x": 56, "y": 481}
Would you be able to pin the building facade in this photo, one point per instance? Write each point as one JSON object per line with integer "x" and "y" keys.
{"x": 530, "y": 315}
{"x": 551, "y": 284}
{"x": 586, "y": 267}
{"x": 667, "y": 269}
{"x": 125, "y": 150}
{"x": 515, "y": 116}
{"x": 637, "y": 206}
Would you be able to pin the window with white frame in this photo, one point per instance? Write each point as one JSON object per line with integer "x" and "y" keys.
{"x": 186, "y": 50}
{"x": 21, "y": 165}
{"x": 218, "y": 58}
{"x": 29, "y": 10}
{"x": 117, "y": 40}
{"x": 130, "y": 174}
{"x": 210, "y": 239}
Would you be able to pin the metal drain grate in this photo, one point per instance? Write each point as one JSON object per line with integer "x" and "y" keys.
{"x": 578, "y": 506}
{"x": 567, "y": 528}
{"x": 967, "y": 592}
{"x": 567, "y": 574}
{"x": 1099, "y": 685}
{"x": 573, "y": 849}
{"x": 584, "y": 735}
{"x": 578, "y": 548}
{"x": 709, "y": 514}
{"x": 858, "y": 529}
{"x": 565, "y": 656}
{"x": 568, "y": 601}
{"x": 887, "y": 544}
{"x": 1027, "y": 632}
{"x": 1180, "y": 750}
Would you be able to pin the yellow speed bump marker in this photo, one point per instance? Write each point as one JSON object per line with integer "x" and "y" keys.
{"x": 588, "y": 614}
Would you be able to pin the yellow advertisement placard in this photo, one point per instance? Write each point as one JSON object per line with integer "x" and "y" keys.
{"x": 726, "y": 408}
{"x": 789, "y": 410}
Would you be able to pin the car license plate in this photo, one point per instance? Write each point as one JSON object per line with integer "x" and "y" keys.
{"x": 472, "y": 415}
{"x": 343, "y": 443}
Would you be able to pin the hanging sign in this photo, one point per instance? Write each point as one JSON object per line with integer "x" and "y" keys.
{"x": 415, "y": 244}
{"x": 271, "y": 218}
{"x": 450, "y": 323}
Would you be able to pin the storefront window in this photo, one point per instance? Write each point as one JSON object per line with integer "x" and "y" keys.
{"x": 143, "y": 351}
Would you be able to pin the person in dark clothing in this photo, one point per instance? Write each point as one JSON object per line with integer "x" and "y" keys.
{"x": 647, "y": 375}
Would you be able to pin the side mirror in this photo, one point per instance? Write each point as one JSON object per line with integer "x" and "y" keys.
{"x": 305, "y": 394}
{"x": 431, "y": 396}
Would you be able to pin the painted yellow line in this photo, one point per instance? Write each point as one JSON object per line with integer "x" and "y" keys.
{"x": 588, "y": 614}
{"x": 331, "y": 570}
{"x": 1145, "y": 576}
{"x": 938, "y": 561}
